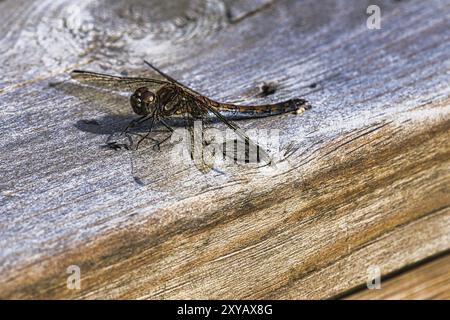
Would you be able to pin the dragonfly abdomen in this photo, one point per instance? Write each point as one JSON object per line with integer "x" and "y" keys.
{"x": 292, "y": 105}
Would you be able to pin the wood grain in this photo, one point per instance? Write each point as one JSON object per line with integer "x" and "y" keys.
{"x": 361, "y": 179}
{"x": 428, "y": 281}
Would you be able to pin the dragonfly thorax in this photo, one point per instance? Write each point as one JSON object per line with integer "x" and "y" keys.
{"x": 143, "y": 101}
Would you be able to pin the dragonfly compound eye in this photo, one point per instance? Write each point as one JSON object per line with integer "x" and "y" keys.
{"x": 148, "y": 97}
{"x": 142, "y": 100}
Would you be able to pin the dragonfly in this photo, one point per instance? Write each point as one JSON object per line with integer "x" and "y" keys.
{"x": 156, "y": 101}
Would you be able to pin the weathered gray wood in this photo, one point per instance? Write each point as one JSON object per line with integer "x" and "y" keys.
{"x": 366, "y": 179}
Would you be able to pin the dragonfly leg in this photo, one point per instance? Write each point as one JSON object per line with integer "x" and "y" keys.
{"x": 135, "y": 122}
{"x": 157, "y": 146}
{"x": 166, "y": 125}
{"x": 141, "y": 136}
{"x": 147, "y": 134}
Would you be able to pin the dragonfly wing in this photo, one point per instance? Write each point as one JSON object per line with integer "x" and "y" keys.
{"x": 251, "y": 145}
{"x": 169, "y": 78}
{"x": 116, "y": 83}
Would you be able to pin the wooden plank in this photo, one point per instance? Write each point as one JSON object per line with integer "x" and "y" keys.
{"x": 362, "y": 179}
{"x": 428, "y": 281}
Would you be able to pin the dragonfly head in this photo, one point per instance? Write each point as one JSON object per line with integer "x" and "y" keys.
{"x": 143, "y": 101}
